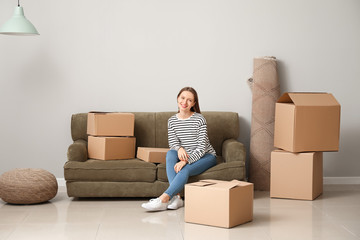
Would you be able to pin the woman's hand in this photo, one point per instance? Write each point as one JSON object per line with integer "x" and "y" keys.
{"x": 178, "y": 166}
{"x": 182, "y": 155}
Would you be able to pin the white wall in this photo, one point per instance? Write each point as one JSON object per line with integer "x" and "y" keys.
{"x": 135, "y": 55}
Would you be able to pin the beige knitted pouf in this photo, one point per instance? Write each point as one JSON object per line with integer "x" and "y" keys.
{"x": 27, "y": 186}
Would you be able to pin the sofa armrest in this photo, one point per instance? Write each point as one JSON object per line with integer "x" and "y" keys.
{"x": 78, "y": 151}
{"x": 233, "y": 150}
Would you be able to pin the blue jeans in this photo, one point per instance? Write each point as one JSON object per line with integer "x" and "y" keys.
{"x": 178, "y": 180}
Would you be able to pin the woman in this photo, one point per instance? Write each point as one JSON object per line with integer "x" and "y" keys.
{"x": 190, "y": 150}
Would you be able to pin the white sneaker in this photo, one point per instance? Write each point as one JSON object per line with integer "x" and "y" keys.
{"x": 155, "y": 204}
{"x": 175, "y": 203}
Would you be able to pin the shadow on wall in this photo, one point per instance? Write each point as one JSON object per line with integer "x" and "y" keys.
{"x": 338, "y": 164}
{"x": 244, "y": 137}
{"x": 282, "y": 76}
{"x": 40, "y": 73}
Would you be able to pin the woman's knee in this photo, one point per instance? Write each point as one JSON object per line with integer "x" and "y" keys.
{"x": 171, "y": 155}
{"x": 213, "y": 160}
{"x": 209, "y": 160}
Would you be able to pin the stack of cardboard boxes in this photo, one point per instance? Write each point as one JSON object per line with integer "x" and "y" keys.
{"x": 306, "y": 125}
{"x": 111, "y": 135}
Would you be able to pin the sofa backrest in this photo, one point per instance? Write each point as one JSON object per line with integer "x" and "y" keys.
{"x": 151, "y": 128}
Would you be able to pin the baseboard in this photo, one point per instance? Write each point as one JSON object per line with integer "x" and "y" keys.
{"x": 341, "y": 180}
{"x": 61, "y": 182}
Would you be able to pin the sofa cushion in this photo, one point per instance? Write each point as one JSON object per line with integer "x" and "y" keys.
{"x": 222, "y": 171}
{"x": 131, "y": 170}
{"x": 221, "y": 126}
{"x": 145, "y": 129}
{"x": 115, "y": 189}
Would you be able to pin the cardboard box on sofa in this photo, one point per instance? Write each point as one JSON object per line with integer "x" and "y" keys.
{"x": 296, "y": 175}
{"x": 307, "y": 122}
{"x": 110, "y": 124}
{"x": 111, "y": 148}
{"x": 154, "y": 155}
{"x": 219, "y": 203}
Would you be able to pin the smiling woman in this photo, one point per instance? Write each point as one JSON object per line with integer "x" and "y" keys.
{"x": 190, "y": 150}
{"x": 188, "y": 100}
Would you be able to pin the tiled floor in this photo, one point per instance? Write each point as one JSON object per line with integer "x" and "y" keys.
{"x": 334, "y": 215}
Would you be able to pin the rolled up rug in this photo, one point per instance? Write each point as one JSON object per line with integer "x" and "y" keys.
{"x": 265, "y": 92}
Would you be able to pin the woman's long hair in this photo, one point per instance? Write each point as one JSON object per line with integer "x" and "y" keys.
{"x": 196, "y": 107}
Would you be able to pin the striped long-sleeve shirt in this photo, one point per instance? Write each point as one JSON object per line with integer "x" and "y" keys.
{"x": 191, "y": 134}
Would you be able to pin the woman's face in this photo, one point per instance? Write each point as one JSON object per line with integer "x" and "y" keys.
{"x": 186, "y": 101}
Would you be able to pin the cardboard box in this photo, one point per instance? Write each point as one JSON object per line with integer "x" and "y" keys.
{"x": 219, "y": 203}
{"x": 110, "y": 124}
{"x": 307, "y": 122}
{"x": 154, "y": 155}
{"x": 296, "y": 175}
{"x": 111, "y": 148}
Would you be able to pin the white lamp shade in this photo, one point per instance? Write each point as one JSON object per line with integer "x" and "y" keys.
{"x": 18, "y": 24}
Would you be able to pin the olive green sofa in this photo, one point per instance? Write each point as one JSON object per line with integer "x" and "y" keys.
{"x": 136, "y": 178}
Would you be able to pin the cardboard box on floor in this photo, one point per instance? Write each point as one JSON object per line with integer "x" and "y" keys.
{"x": 296, "y": 175}
{"x": 306, "y": 122}
{"x": 219, "y": 203}
{"x": 110, "y": 124}
{"x": 111, "y": 148}
{"x": 154, "y": 155}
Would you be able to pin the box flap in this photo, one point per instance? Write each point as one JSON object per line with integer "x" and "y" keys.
{"x": 226, "y": 185}
{"x": 105, "y": 113}
{"x": 230, "y": 184}
{"x": 206, "y": 182}
{"x": 201, "y": 184}
{"x": 152, "y": 149}
{"x": 309, "y": 99}
{"x": 220, "y": 184}
{"x": 212, "y": 181}
{"x": 99, "y": 112}
{"x": 285, "y": 98}
{"x": 242, "y": 183}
